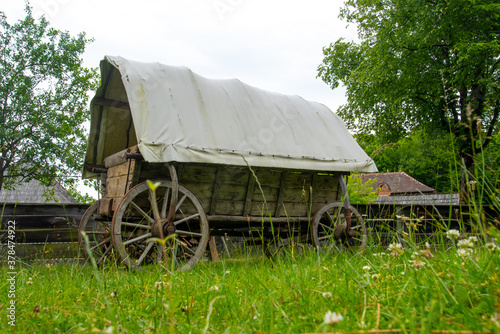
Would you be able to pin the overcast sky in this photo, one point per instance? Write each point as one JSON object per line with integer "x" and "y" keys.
{"x": 275, "y": 44}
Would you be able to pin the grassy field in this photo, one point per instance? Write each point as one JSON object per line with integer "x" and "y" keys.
{"x": 452, "y": 288}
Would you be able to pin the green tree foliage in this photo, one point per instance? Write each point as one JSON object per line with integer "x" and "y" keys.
{"x": 43, "y": 101}
{"x": 428, "y": 156}
{"x": 432, "y": 64}
{"x": 361, "y": 192}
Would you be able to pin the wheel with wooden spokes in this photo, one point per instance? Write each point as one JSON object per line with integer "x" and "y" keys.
{"x": 330, "y": 228}
{"x": 140, "y": 222}
{"x": 98, "y": 230}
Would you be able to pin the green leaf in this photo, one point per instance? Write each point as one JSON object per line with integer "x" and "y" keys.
{"x": 152, "y": 185}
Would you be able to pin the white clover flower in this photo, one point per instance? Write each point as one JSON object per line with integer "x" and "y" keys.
{"x": 375, "y": 277}
{"x": 462, "y": 252}
{"x": 326, "y": 294}
{"x": 396, "y": 249}
{"x": 214, "y": 288}
{"x": 472, "y": 239}
{"x": 366, "y": 268}
{"x": 417, "y": 263}
{"x": 491, "y": 246}
{"x": 465, "y": 243}
{"x": 332, "y": 318}
{"x": 452, "y": 234}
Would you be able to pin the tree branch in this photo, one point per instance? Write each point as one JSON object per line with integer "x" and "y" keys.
{"x": 493, "y": 122}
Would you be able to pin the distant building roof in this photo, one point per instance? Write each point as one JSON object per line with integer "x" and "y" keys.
{"x": 398, "y": 183}
{"x": 32, "y": 192}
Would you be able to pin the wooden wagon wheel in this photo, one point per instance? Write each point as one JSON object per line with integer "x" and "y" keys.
{"x": 98, "y": 230}
{"x": 329, "y": 228}
{"x": 142, "y": 215}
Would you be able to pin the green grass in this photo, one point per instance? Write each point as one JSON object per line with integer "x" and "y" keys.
{"x": 288, "y": 294}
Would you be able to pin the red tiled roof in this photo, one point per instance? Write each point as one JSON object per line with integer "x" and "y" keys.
{"x": 397, "y": 183}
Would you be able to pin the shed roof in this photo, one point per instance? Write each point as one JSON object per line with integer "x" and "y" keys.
{"x": 33, "y": 192}
{"x": 399, "y": 183}
{"x": 181, "y": 116}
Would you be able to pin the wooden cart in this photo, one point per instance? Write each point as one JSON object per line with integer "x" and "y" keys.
{"x": 204, "y": 192}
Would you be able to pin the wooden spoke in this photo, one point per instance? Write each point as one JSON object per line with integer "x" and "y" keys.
{"x": 145, "y": 253}
{"x": 144, "y": 236}
{"x": 144, "y": 214}
{"x": 108, "y": 249}
{"x": 164, "y": 206}
{"x": 102, "y": 243}
{"x": 148, "y": 227}
{"x": 130, "y": 238}
{"x": 326, "y": 227}
{"x": 186, "y": 219}
{"x": 180, "y": 203}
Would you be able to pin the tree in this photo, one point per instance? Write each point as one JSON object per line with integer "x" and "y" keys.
{"x": 43, "y": 101}
{"x": 431, "y": 64}
{"x": 426, "y": 155}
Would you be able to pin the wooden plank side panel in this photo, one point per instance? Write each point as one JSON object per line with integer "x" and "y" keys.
{"x": 292, "y": 209}
{"x": 119, "y": 178}
{"x": 297, "y": 195}
{"x": 261, "y": 209}
{"x": 269, "y": 177}
{"x": 216, "y": 189}
{"x": 229, "y": 208}
{"x": 116, "y": 186}
{"x": 237, "y": 196}
{"x": 153, "y": 171}
{"x": 196, "y": 173}
{"x": 326, "y": 181}
{"x": 235, "y": 176}
{"x": 119, "y": 170}
{"x": 232, "y": 192}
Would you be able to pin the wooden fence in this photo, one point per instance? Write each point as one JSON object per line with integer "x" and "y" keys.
{"x": 42, "y": 231}
{"x": 50, "y": 231}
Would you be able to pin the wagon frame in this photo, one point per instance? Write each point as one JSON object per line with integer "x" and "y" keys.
{"x": 186, "y": 200}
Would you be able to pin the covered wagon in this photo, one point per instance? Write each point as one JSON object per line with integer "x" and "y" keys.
{"x": 225, "y": 158}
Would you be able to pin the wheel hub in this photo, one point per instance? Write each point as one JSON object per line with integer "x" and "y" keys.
{"x": 160, "y": 226}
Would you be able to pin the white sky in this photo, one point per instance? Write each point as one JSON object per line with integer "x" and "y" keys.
{"x": 274, "y": 45}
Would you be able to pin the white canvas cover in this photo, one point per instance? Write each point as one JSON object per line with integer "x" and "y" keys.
{"x": 181, "y": 116}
